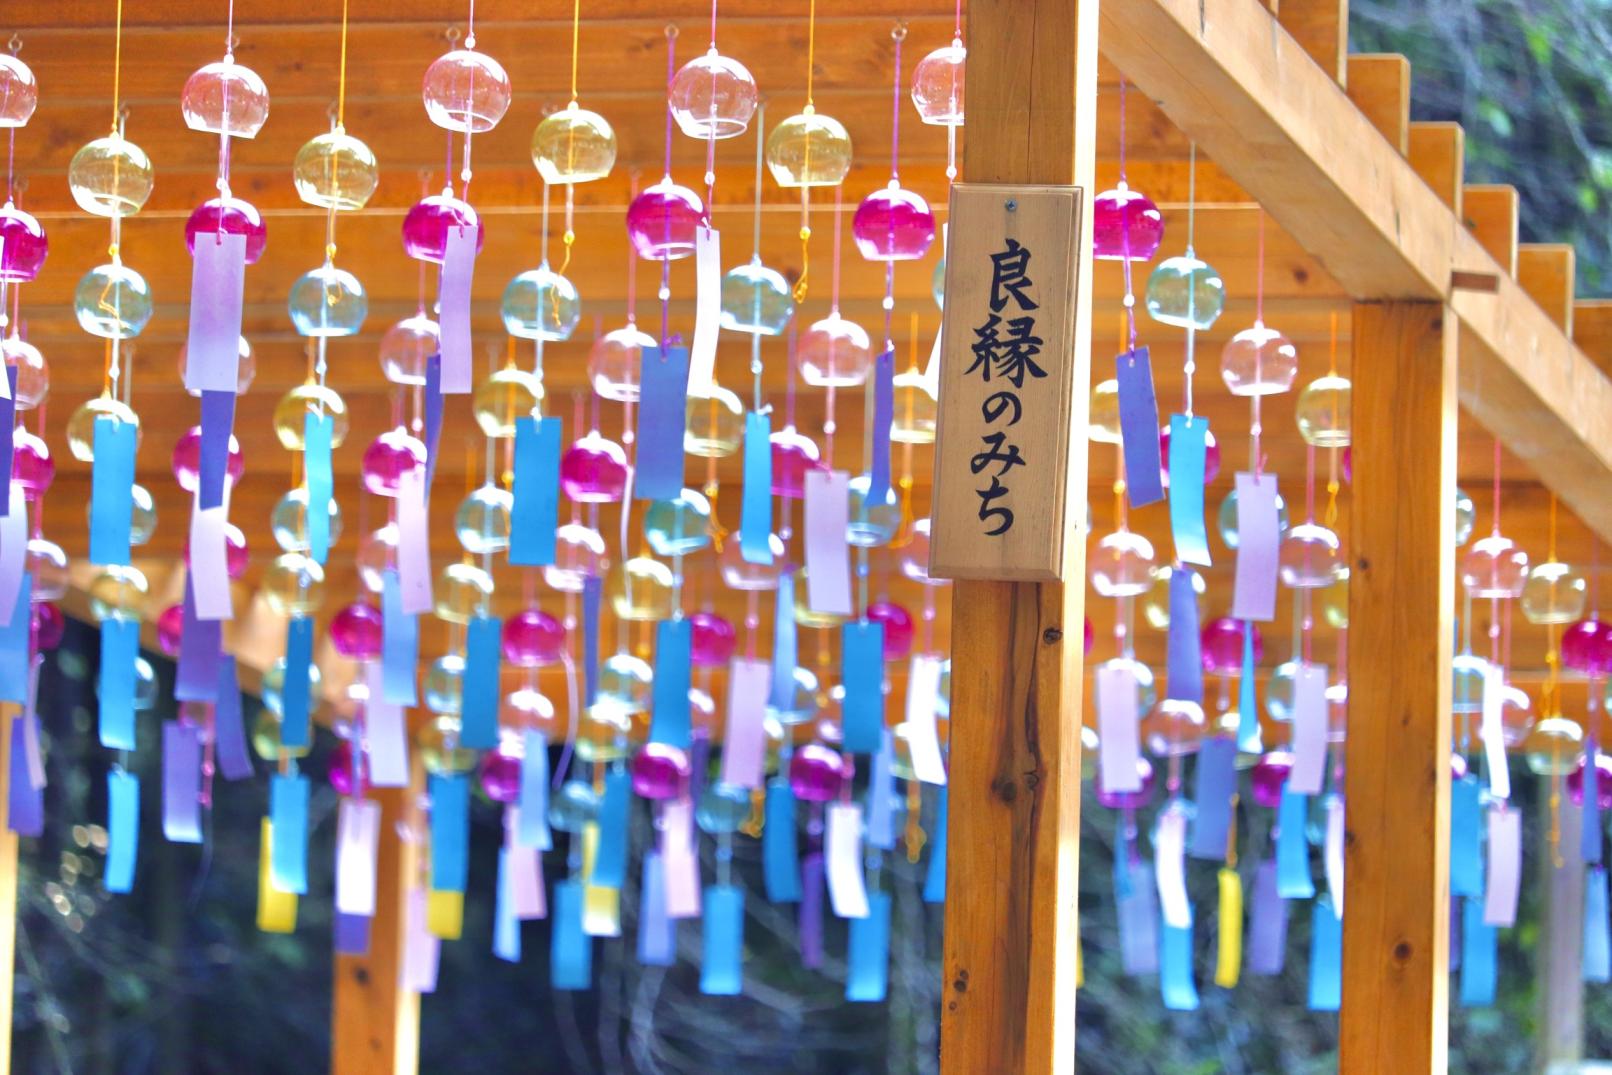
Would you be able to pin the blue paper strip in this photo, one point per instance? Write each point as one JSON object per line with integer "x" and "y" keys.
{"x": 880, "y": 812}
{"x": 1188, "y": 450}
{"x": 1466, "y": 837}
{"x": 534, "y": 800}
{"x": 296, "y": 703}
{"x": 867, "y": 970}
{"x": 1455, "y": 935}
{"x": 318, "y": 436}
{"x": 1176, "y": 986}
{"x": 506, "y": 927}
{"x": 722, "y": 950}
{"x": 229, "y": 728}
{"x": 534, "y": 514}
{"x": 1184, "y": 655}
{"x": 450, "y": 832}
{"x": 809, "y": 915}
{"x": 120, "y": 647}
{"x": 591, "y": 589}
{"x": 16, "y": 644}
{"x": 1590, "y": 830}
{"x": 570, "y": 949}
{"x": 1597, "y": 928}
{"x": 25, "y": 804}
{"x": 657, "y": 934}
{"x": 1216, "y": 783}
{"x": 862, "y": 672}
{"x": 288, "y": 821}
{"x": 478, "y": 711}
{"x": 400, "y": 644}
{"x": 1293, "y": 880}
{"x": 1139, "y": 920}
{"x": 670, "y": 722}
{"x": 111, "y": 496}
{"x": 1326, "y": 957}
{"x": 432, "y": 417}
{"x": 1139, "y": 427}
{"x": 881, "y": 388}
{"x": 1478, "y": 956}
{"x": 615, "y": 808}
{"x": 780, "y": 848}
{"x": 755, "y": 506}
{"x": 662, "y": 421}
{"x": 935, "y": 874}
{"x": 1248, "y": 734}
{"x": 217, "y": 420}
{"x": 122, "y": 829}
{"x": 784, "y": 647}
{"x": 350, "y": 933}
{"x": 201, "y": 645}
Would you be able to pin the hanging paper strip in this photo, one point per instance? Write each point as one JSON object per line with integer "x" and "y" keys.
{"x": 413, "y": 543}
{"x": 529, "y": 899}
{"x": 922, "y": 711}
{"x": 13, "y": 550}
{"x": 591, "y": 589}
{"x": 200, "y": 647}
{"x": 883, "y": 406}
{"x": 1184, "y": 658}
{"x": 1597, "y": 927}
{"x": 1175, "y": 968}
{"x": 1267, "y": 927}
{"x": 810, "y": 916}
{"x": 1139, "y": 427}
{"x": 535, "y": 510}
{"x": 1309, "y": 730}
{"x": 1118, "y": 729}
{"x": 209, "y": 561}
{"x": 1466, "y": 837}
{"x": 570, "y": 949}
{"x": 671, "y": 717}
{"x": 432, "y": 419}
{"x": 1169, "y": 865}
{"x": 533, "y": 830}
{"x": 296, "y": 703}
{"x": 1589, "y": 845}
{"x": 1138, "y": 911}
{"x": 1216, "y": 784}
{"x": 1188, "y": 449}
{"x": 1293, "y": 880}
{"x": 358, "y": 831}
{"x": 217, "y": 281}
{"x": 506, "y": 927}
{"x": 33, "y": 759}
{"x": 862, "y": 673}
{"x": 14, "y": 646}
{"x": 867, "y": 971}
{"x": 610, "y": 855}
{"x": 755, "y": 505}
{"x": 682, "y": 862}
{"x": 1258, "y": 537}
{"x": 8, "y": 423}
{"x": 111, "y": 482}
{"x": 783, "y": 644}
{"x": 212, "y": 464}
{"x": 1326, "y": 958}
{"x": 400, "y": 645}
{"x": 707, "y": 310}
{"x": 744, "y": 748}
{"x": 349, "y": 934}
{"x": 723, "y": 941}
{"x": 418, "y": 972}
{"x": 479, "y": 704}
{"x": 1505, "y": 866}
{"x": 828, "y": 557}
{"x": 842, "y": 848}
{"x": 181, "y": 783}
{"x": 450, "y": 832}
{"x": 318, "y": 437}
{"x": 120, "y": 647}
{"x": 445, "y": 914}
{"x": 881, "y": 798}
{"x": 1479, "y": 944}
{"x": 25, "y": 800}
{"x": 780, "y": 849}
{"x": 935, "y": 875}
{"x": 662, "y": 421}
{"x": 1332, "y": 858}
{"x": 458, "y": 267}
{"x": 1249, "y": 740}
{"x": 1229, "y": 942}
{"x": 288, "y": 814}
{"x": 276, "y": 910}
{"x": 122, "y": 829}
{"x": 657, "y": 934}
{"x": 1492, "y": 732}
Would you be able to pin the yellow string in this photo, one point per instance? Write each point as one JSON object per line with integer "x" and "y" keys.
{"x": 341, "y": 76}
{"x": 117, "y": 66}
{"x": 811, "y": 49}
{"x": 576, "y": 33}
{"x": 806, "y": 163}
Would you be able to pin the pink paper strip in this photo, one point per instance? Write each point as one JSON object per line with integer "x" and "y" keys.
{"x": 707, "y": 310}
{"x": 828, "y": 556}
{"x": 209, "y": 561}
{"x": 1505, "y": 866}
{"x": 385, "y": 734}
{"x": 1491, "y": 731}
{"x": 1170, "y": 867}
{"x": 528, "y": 900}
{"x": 458, "y": 266}
{"x": 217, "y": 281}
{"x": 842, "y": 847}
{"x": 744, "y": 749}
{"x": 1309, "y": 730}
{"x": 414, "y": 543}
{"x": 358, "y": 831}
{"x": 1258, "y": 536}
{"x": 13, "y": 547}
{"x": 1333, "y": 858}
{"x": 418, "y": 971}
{"x": 1118, "y": 731}
{"x": 923, "y": 738}
{"x": 680, "y": 858}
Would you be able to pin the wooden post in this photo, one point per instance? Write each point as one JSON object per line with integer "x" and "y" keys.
{"x": 1396, "y": 929}
{"x": 375, "y": 1022}
{"x": 1013, "y": 856}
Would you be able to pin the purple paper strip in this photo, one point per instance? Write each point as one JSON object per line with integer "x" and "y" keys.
{"x": 1589, "y": 847}
{"x": 25, "y": 803}
{"x": 433, "y": 416}
{"x": 1139, "y": 921}
{"x": 1185, "y": 660}
{"x": 181, "y": 783}
{"x": 217, "y": 419}
{"x": 1216, "y": 783}
{"x": 458, "y": 266}
{"x": 217, "y": 281}
{"x": 1258, "y": 538}
{"x": 200, "y": 648}
{"x": 1267, "y": 923}
{"x": 811, "y": 911}
{"x": 591, "y": 590}
{"x": 657, "y": 932}
{"x": 699, "y": 756}
{"x": 1139, "y": 427}
{"x": 351, "y": 933}
{"x": 880, "y": 386}
{"x": 662, "y": 422}
{"x": 229, "y": 729}
{"x": 8, "y": 428}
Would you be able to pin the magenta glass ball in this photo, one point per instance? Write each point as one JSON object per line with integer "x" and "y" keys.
{"x": 662, "y": 220}
{"x": 660, "y": 771}
{"x": 356, "y": 631}
{"x": 1603, "y": 781}
{"x": 793, "y": 455}
{"x": 170, "y": 625}
{"x": 1211, "y": 457}
{"x": 1091, "y": 636}
{"x": 186, "y": 461}
{"x": 897, "y": 628}
{"x": 711, "y": 639}
{"x": 25, "y": 245}
{"x": 32, "y": 468}
{"x": 339, "y": 770}
{"x": 501, "y": 776}
{"x": 816, "y": 773}
{"x": 594, "y": 470}
{"x": 236, "y": 555}
{"x": 1269, "y": 776}
{"x": 388, "y": 458}
{"x": 232, "y": 216}
{"x": 48, "y": 626}
{"x": 1127, "y": 800}
{"x": 1221, "y": 646}
{"x": 1585, "y": 646}
{"x": 532, "y": 638}
{"x": 1125, "y": 224}
{"x": 893, "y": 224}
{"x": 425, "y": 227}
{"x": 1346, "y": 464}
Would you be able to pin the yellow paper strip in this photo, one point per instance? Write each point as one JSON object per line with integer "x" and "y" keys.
{"x": 1229, "y": 964}
{"x": 1080, "y": 963}
{"x": 445, "y": 914}
{"x": 601, "y": 907}
{"x": 276, "y": 910}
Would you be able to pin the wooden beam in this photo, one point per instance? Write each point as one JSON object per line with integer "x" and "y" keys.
{"x": 1379, "y": 85}
{"x": 1396, "y": 929}
{"x": 1490, "y": 212}
{"x": 1014, "y": 842}
{"x": 1438, "y": 153}
{"x": 1545, "y": 271}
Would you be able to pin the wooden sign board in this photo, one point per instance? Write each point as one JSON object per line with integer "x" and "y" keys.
{"x": 1006, "y": 372}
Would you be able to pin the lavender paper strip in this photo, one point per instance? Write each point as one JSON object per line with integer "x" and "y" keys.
{"x": 662, "y": 421}
{"x": 881, "y": 797}
{"x": 1138, "y": 911}
{"x": 386, "y": 734}
{"x": 181, "y": 783}
{"x": 458, "y": 267}
{"x": 350, "y": 934}
{"x": 1188, "y": 449}
{"x": 1118, "y": 735}
{"x": 13, "y": 550}
{"x": 432, "y": 418}
{"x": 25, "y": 803}
{"x": 414, "y": 543}
{"x": 810, "y": 916}
{"x": 1491, "y": 730}
{"x": 755, "y": 505}
{"x": 745, "y": 747}
{"x": 784, "y": 643}
{"x": 1267, "y": 923}
{"x": 535, "y": 512}
{"x": 1258, "y": 538}
{"x": 200, "y": 646}
{"x": 1139, "y": 427}
{"x": 217, "y": 419}
{"x": 1310, "y": 720}
{"x": 1169, "y": 865}
{"x": 358, "y": 831}
{"x": 657, "y": 934}
{"x": 1216, "y": 783}
{"x": 209, "y": 562}
{"x": 1504, "y": 880}
{"x": 1184, "y": 656}
{"x": 217, "y": 281}
{"x": 882, "y": 390}
{"x": 591, "y": 589}
{"x": 682, "y": 861}
{"x": 828, "y": 557}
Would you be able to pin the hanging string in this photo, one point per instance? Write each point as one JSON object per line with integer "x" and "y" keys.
{"x": 341, "y": 73}
{"x": 1331, "y": 517}
{"x": 117, "y": 68}
{"x": 1125, "y": 233}
{"x": 806, "y": 191}
{"x": 1191, "y": 366}
{"x": 1255, "y": 426}
{"x": 666, "y": 266}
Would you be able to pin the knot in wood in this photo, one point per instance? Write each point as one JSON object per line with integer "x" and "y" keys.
{"x": 1006, "y": 790}
{"x": 1051, "y": 635}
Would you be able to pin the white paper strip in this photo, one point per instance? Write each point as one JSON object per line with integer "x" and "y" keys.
{"x": 923, "y": 737}
{"x": 358, "y": 831}
{"x": 1118, "y": 729}
{"x": 209, "y": 560}
{"x": 707, "y": 310}
{"x": 1170, "y": 868}
{"x": 413, "y": 543}
{"x": 1333, "y": 858}
{"x": 1309, "y": 730}
{"x": 842, "y": 846}
{"x": 385, "y": 734}
{"x": 1505, "y": 866}
{"x": 1492, "y": 732}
